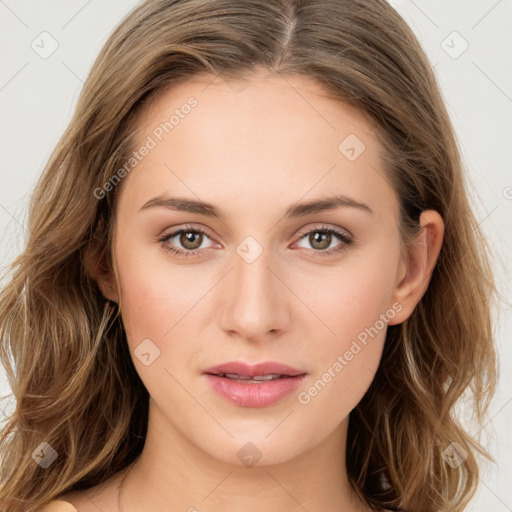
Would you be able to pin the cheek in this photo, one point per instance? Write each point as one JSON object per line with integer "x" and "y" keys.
{"x": 345, "y": 367}
{"x": 155, "y": 294}
{"x": 354, "y": 303}
{"x": 351, "y": 297}
{"x": 157, "y": 308}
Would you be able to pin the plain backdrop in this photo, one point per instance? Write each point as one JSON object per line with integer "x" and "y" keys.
{"x": 468, "y": 43}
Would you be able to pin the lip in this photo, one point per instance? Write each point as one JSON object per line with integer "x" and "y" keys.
{"x": 250, "y": 370}
{"x": 254, "y": 394}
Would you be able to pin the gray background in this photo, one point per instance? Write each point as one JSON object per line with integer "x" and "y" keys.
{"x": 38, "y": 93}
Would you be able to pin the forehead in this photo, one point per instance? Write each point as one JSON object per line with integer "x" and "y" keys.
{"x": 259, "y": 105}
{"x": 266, "y": 136}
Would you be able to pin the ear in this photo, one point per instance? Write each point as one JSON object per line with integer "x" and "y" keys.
{"x": 100, "y": 270}
{"x": 414, "y": 275}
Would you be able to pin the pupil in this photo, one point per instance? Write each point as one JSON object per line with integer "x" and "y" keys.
{"x": 324, "y": 238}
{"x": 188, "y": 238}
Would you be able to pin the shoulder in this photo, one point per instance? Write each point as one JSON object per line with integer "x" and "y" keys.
{"x": 58, "y": 506}
{"x": 100, "y": 497}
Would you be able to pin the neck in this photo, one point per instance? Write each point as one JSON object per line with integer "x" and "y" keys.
{"x": 173, "y": 471}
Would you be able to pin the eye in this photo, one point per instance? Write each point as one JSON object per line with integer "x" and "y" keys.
{"x": 321, "y": 240}
{"x": 191, "y": 239}
{"x": 188, "y": 237}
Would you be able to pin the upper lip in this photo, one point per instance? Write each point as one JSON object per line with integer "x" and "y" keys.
{"x": 250, "y": 370}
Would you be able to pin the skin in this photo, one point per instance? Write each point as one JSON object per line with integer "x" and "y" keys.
{"x": 253, "y": 149}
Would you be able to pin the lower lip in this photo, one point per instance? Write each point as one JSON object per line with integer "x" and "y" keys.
{"x": 254, "y": 394}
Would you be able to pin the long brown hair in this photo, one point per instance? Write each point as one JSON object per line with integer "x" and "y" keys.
{"x": 63, "y": 346}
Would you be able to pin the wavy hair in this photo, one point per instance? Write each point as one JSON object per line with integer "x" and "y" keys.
{"x": 63, "y": 345}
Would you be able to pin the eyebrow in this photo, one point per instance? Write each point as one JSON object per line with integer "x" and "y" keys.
{"x": 295, "y": 210}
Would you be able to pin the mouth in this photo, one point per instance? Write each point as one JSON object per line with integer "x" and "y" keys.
{"x": 267, "y": 370}
{"x": 251, "y": 380}
{"x": 257, "y": 385}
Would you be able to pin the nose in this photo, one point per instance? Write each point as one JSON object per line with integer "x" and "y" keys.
{"x": 256, "y": 304}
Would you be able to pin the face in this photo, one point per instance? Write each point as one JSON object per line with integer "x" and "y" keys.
{"x": 313, "y": 288}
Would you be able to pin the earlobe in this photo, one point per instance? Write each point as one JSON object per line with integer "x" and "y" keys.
{"x": 99, "y": 270}
{"x": 107, "y": 285}
{"x": 422, "y": 256}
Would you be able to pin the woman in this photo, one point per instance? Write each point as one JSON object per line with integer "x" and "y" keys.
{"x": 252, "y": 277}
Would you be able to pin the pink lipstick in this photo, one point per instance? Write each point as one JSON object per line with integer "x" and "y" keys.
{"x": 257, "y": 385}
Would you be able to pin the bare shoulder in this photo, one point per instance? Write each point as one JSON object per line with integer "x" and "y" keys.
{"x": 99, "y": 497}
{"x": 58, "y": 506}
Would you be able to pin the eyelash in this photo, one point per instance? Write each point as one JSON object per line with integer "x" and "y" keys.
{"x": 345, "y": 239}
